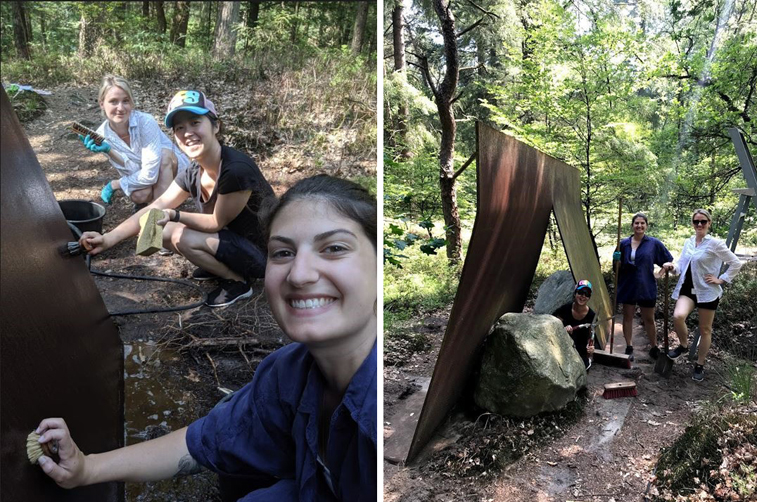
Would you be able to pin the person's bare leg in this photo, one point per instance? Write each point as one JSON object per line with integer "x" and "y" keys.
{"x": 647, "y": 313}
{"x": 629, "y": 309}
{"x": 169, "y": 166}
{"x": 684, "y": 307}
{"x": 706, "y": 317}
{"x": 199, "y": 248}
{"x": 142, "y": 196}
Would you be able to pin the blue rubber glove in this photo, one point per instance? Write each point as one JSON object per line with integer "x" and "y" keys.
{"x": 107, "y": 193}
{"x": 616, "y": 256}
{"x": 90, "y": 144}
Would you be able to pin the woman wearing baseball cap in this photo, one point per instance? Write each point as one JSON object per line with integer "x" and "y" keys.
{"x": 224, "y": 238}
{"x": 577, "y": 313}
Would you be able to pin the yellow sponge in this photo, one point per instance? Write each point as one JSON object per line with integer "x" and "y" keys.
{"x": 150, "y": 237}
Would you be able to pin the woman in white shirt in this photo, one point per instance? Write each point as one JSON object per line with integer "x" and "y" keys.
{"x": 145, "y": 158}
{"x": 699, "y": 285}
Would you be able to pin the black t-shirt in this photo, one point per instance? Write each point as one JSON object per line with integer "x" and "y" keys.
{"x": 580, "y": 336}
{"x": 238, "y": 173}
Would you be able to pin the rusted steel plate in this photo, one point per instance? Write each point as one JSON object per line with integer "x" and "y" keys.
{"x": 513, "y": 208}
{"x": 516, "y": 188}
{"x": 578, "y": 246}
{"x": 60, "y": 354}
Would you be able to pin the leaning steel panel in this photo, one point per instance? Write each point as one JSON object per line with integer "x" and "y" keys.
{"x": 60, "y": 354}
{"x": 517, "y": 188}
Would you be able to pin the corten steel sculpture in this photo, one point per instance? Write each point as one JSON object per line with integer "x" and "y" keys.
{"x": 518, "y": 187}
{"x": 746, "y": 195}
{"x": 60, "y": 353}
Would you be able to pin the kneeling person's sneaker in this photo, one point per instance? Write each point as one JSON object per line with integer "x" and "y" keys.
{"x": 227, "y": 293}
{"x": 654, "y": 352}
{"x": 629, "y": 353}
{"x": 698, "y": 372}
{"x": 200, "y": 274}
{"x": 676, "y": 353}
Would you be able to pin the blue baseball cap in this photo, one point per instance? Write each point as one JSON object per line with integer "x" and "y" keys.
{"x": 584, "y": 284}
{"x": 192, "y": 101}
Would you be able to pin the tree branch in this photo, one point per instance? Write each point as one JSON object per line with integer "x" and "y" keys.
{"x": 488, "y": 13}
{"x": 465, "y": 166}
{"x": 469, "y": 28}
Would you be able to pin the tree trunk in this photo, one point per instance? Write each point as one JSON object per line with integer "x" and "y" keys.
{"x": 252, "y": 13}
{"x": 253, "y": 10}
{"x": 358, "y": 30}
{"x": 180, "y": 23}
{"x": 146, "y": 8}
{"x": 20, "y": 33}
{"x": 88, "y": 35}
{"x": 161, "y": 13}
{"x": 444, "y": 95}
{"x": 293, "y": 33}
{"x": 225, "y": 37}
{"x": 398, "y": 27}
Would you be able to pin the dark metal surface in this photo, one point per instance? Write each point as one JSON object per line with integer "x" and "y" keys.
{"x": 60, "y": 354}
{"x": 516, "y": 189}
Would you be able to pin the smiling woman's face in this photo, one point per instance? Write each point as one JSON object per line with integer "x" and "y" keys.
{"x": 117, "y": 105}
{"x": 321, "y": 274}
{"x": 195, "y": 134}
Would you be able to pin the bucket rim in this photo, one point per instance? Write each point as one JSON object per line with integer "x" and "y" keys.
{"x": 100, "y": 209}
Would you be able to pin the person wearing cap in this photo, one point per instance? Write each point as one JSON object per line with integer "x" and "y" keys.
{"x": 637, "y": 285}
{"x": 223, "y": 238}
{"x": 577, "y": 313}
{"x": 145, "y": 158}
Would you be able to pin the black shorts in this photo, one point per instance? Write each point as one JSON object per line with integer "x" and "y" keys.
{"x": 240, "y": 255}
{"x": 686, "y": 291}
{"x": 647, "y": 304}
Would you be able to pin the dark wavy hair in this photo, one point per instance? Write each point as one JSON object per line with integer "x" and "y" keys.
{"x": 346, "y": 197}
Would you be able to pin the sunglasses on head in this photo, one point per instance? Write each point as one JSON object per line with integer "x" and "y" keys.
{"x": 699, "y": 222}
{"x": 584, "y": 292}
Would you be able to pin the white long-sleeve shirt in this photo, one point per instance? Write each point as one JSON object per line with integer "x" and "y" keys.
{"x": 142, "y": 159}
{"x": 705, "y": 259}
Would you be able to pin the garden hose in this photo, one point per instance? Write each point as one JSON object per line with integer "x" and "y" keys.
{"x": 75, "y": 249}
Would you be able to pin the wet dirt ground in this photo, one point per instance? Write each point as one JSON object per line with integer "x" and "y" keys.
{"x": 607, "y": 455}
{"x": 177, "y": 365}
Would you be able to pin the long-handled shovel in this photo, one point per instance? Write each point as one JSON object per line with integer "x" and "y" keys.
{"x": 694, "y": 347}
{"x": 664, "y": 364}
{"x": 616, "y": 265}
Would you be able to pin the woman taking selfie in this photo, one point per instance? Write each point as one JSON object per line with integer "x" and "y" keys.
{"x": 308, "y": 418}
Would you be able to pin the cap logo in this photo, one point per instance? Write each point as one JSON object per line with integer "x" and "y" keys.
{"x": 185, "y": 98}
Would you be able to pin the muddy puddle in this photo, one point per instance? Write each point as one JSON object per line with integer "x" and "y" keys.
{"x": 159, "y": 400}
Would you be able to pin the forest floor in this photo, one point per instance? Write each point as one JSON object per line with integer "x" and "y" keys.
{"x": 175, "y": 363}
{"x": 602, "y": 450}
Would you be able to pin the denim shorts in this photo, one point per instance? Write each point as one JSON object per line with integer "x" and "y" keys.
{"x": 240, "y": 255}
{"x": 647, "y": 304}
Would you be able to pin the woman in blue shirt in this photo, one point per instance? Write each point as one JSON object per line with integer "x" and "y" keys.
{"x": 636, "y": 282}
{"x": 307, "y": 420}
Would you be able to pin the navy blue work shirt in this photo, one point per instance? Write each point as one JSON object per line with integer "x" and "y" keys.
{"x": 636, "y": 281}
{"x": 270, "y": 426}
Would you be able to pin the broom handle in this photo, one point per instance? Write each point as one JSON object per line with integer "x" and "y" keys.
{"x": 617, "y": 272}
{"x": 667, "y": 306}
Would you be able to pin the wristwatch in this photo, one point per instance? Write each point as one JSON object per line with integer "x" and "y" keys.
{"x": 176, "y": 215}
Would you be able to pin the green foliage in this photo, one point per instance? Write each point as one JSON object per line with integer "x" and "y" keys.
{"x": 741, "y": 376}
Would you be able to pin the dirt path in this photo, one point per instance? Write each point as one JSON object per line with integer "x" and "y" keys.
{"x": 608, "y": 455}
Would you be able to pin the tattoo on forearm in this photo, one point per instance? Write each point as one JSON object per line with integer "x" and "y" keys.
{"x": 187, "y": 466}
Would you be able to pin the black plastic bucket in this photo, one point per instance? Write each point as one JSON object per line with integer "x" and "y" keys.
{"x": 85, "y": 215}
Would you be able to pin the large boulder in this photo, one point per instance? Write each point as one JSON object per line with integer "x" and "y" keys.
{"x": 529, "y": 366}
{"x": 555, "y": 292}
